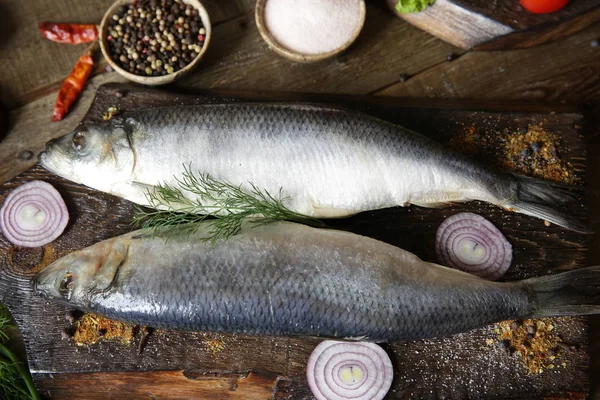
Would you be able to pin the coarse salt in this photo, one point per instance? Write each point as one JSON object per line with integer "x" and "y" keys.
{"x": 312, "y": 26}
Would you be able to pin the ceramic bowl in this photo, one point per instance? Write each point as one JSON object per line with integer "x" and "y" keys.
{"x": 153, "y": 80}
{"x": 299, "y": 57}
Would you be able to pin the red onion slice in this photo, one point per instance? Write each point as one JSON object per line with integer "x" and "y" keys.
{"x": 349, "y": 370}
{"x": 471, "y": 243}
{"x": 34, "y": 214}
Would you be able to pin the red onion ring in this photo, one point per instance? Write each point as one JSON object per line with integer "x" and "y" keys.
{"x": 349, "y": 370}
{"x": 471, "y": 243}
{"x": 34, "y": 214}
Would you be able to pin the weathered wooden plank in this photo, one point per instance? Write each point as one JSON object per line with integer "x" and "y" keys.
{"x": 425, "y": 369}
{"x": 501, "y": 24}
{"x": 33, "y": 66}
{"x": 386, "y": 48}
{"x": 593, "y": 145}
{"x": 565, "y": 70}
{"x": 29, "y": 62}
{"x": 239, "y": 59}
{"x": 158, "y": 384}
{"x": 514, "y": 15}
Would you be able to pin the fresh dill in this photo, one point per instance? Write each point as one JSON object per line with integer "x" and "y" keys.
{"x": 15, "y": 381}
{"x": 174, "y": 213}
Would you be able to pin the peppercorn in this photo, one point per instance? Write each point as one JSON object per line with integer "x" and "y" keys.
{"x": 155, "y": 38}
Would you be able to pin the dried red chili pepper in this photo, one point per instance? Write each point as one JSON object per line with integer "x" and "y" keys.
{"x": 69, "y": 33}
{"x": 73, "y": 85}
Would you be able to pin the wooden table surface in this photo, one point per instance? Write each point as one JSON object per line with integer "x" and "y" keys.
{"x": 390, "y": 58}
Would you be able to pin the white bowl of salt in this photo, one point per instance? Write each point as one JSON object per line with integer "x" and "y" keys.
{"x": 310, "y": 30}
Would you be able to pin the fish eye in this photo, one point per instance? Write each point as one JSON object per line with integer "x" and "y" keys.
{"x": 79, "y": 140}
{"x": 65, "y": 285}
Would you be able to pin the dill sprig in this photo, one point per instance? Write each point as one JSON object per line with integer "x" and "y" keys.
{"x": 177, "y": 214}
{"x": 15, "y": 381}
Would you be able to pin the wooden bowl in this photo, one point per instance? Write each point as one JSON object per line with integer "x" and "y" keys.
{"x": 153, "y": 80}
{"x": 292, "y": 55}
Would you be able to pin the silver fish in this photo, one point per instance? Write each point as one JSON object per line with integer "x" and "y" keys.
{"x": 289, "y": 279}
{"x": 329, "y": 162}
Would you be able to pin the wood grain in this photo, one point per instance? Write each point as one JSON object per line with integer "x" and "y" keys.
{"x": 567, "y": 71}
{"x": 239, "y": 58}
{"x": 157, "y": 385}
{"x": 512, "y": 14}
{"x": 500, "y": 24}
{"x": 33, "y": 66}
{"x": 442, "y": 367}
{"x": 29, "y": 62}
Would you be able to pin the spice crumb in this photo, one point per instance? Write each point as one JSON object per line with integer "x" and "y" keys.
{"x": 532, "y": 151}
{"x": 538, "y": 351}
{"x": 92, "y": 328}
{"x": 110, "y": 112}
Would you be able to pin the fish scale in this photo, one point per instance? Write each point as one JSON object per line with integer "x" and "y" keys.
{"x": 328, "y": 162}
{"x": 281, "y": 279}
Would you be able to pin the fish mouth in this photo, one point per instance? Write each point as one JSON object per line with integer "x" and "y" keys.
{"x": 52, "y": 157}
{"x": 39, "y": 288}
{"x": 44, "y": 282}
{"x": 41, "y": 156}
{"x": 49, "y": 144}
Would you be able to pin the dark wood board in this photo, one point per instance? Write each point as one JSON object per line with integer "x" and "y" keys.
{"x": 461, "y": 366}
{"x": 500, "y": 24}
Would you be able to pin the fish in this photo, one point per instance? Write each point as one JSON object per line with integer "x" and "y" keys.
{"x": 328, "y": 162}
{"x": 289, "y": 279}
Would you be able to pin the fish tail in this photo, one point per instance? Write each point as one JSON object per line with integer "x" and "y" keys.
{"x": 575, "y": 292}
{"x": 540, "y": 198}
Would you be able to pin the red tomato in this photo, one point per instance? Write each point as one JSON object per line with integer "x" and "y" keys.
{"x": 543, "y": 6}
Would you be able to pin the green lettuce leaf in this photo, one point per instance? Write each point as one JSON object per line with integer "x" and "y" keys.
{"x": 409, "y": 6}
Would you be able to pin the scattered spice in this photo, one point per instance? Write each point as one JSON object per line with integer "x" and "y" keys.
{"x": 312, "y": 26}
{"x": 532, "y": 151}
{"x": 534, "y": 342}
{"x": 214, "y": 346}
{"x": 110, "y": 112}
{"x": 73, "y": 85}
{"x": 92, "y": 328}
{"x": 69, "y": 33}
{"x": 153, "y": 38}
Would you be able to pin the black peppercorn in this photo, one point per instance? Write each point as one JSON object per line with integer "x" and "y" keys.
{"x": 152, "y": 30}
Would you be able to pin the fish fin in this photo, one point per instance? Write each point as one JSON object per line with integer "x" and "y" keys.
{"x": 575, "y": 292}
{"x": 550, "y": 214}
{"x": 147, "y": 186}
{"x": 540, "y": 198}
{"x": 357, "y": 338}
{"x": 438, "y": 204}
{"x": 330, "y": 212}
{"x": 542, "y": 191}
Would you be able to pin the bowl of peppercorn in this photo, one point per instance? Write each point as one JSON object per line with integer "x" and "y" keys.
{"x": 154, "y": 42}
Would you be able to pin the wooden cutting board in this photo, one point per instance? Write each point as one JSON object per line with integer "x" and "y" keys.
{"x": 216, "y": 366}
{"x": 500, "y": 24}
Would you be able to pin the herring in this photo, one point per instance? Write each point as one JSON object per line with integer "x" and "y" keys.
{"x": 289, "y": 279}
{"x": 329, "y": 162}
